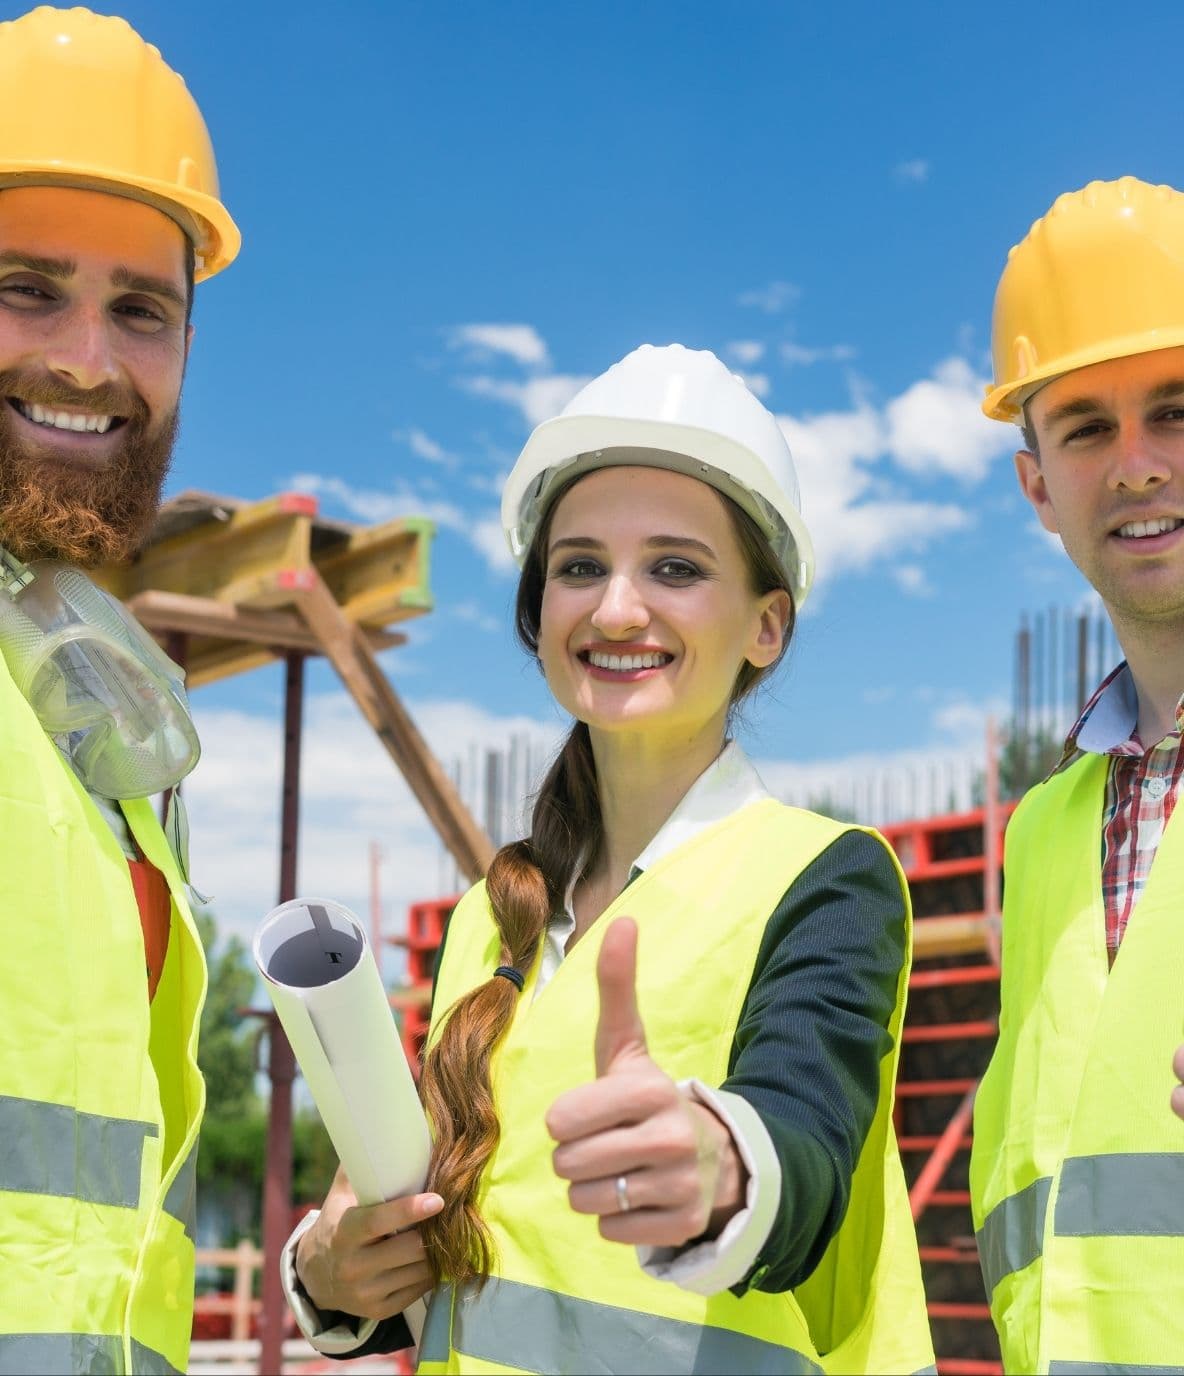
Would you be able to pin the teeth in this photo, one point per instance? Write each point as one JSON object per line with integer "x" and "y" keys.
{"x": 65, "y": 420}
{"x": 628, "y": 663}
{"x": 1138, "y": 530}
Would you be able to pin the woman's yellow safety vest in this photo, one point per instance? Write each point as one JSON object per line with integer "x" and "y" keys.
{"x": 561, "y": 1298}
{"x": 100, "y": 1098}
{"x": 1077, "y": 1171}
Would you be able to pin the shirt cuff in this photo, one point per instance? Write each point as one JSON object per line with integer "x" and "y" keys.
{"x": 707, "y": 1268}
{"x": 335, "y": 1334}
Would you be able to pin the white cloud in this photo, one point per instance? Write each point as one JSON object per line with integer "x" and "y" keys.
{"x": 913, "y": 170}
{"x": 795, "y": 354}
{"x": 851, "y": 523}
{"x": 771, "y": 298}
{"x": 911, "y": 578}
{"x": 489, "y": 537}
{"x": 538, "y": 398}
{"x": 965, "y": 719}
{"x": 470, "y": 612}
{"x": 937, "y": 425}
{"x": 746, "y": 352}
{"x": 757, "y": 383}
{"x": 423, "y": 446}
{"x": 373, "y": 505}
{"x": 1048, "y": 539}
{"x": 522, "y": 343}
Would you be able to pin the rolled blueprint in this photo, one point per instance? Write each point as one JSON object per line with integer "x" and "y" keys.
{"x": 321, "y": 975}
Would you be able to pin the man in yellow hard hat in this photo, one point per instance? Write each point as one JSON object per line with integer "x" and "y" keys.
{"x": 1077, "y": 1170}
{"x": 109, "y": 212}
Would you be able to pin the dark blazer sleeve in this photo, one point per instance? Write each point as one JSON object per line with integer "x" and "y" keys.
{"x": 811, "y": 1036}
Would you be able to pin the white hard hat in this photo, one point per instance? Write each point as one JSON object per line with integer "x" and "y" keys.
{"x": 675, "y": 408}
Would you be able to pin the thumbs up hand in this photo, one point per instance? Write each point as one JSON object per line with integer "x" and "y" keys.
{"x": 656, "y": 1167}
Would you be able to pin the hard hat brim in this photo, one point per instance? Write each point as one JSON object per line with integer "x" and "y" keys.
{"x": 567, "y": 446}
{"x": 203, "y": 218}
{"x": 1007, "y": 402}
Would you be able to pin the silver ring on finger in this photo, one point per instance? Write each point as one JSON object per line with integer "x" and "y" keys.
{"x": 622, "y": 1186}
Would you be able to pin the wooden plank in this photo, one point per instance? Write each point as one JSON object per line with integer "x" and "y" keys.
{"x": 346, "y": 647}
{"x": 381, "y": 574}
{"x": 213, "y": 560}
{"x": 223, "y": 621}
{"x": 949, "y": 936}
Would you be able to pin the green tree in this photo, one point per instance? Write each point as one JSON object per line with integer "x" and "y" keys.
{"x": 227, "y": 1050}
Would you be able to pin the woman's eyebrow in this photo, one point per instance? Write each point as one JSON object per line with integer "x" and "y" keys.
{"x": 576, "y": 542}
{"x": 679, "y": 542}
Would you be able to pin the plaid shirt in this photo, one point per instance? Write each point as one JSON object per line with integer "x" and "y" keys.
{"x": 1141, "y": 786}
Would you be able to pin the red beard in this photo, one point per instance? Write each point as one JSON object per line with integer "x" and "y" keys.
{"x": 52, "y": 509}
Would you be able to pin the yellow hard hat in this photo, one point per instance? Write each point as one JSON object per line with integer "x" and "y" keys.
{"x": 84, "y": 101}
{"x": 1100, "y": 276}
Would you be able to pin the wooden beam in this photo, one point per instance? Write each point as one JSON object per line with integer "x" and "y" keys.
{"x": 215, "y": 558}
{"x": 346, "y": 647}
{"x": 381, "y": 574}
{"x": 949, "y": 936}
{"x": 284, "y": 630}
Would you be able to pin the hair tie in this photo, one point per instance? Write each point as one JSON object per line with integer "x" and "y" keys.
{"x": 514, "y": 976}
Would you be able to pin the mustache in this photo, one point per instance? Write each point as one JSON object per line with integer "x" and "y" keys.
{"x": 44, "y": 389}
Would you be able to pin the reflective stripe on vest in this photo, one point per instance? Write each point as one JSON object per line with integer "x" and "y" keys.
{"x": 21, "y": 1353}
{"x": 1012, "y": 1235}
{"x": 180, "y": 1200}
{"x": 527, "y": 1327}
{"x": 57, "y": 1150}
{"x": 1056, "y": 1368}
{"x": 1124, "y": 1194}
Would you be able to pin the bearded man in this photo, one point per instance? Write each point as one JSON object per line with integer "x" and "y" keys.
{"x": 109, "y": 212}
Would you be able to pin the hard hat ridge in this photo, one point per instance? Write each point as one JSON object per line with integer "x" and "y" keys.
{"x": 86, "y": 102}
{"x": 675, "y": 408}
{"x": 1099, "y": 276}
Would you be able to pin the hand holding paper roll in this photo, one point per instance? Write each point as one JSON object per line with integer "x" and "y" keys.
{"x": 324, "y": 983}
{"x": 366, "y": 1260}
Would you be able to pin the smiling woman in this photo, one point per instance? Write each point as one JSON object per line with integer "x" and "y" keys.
{"x": 665, "y": 1029}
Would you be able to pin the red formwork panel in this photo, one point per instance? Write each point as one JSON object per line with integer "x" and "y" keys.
{"x": 421, "y": 944}
{"x": 948, "y": 1037}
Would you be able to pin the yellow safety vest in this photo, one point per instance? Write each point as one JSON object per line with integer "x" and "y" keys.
{"x": 100, "y": 1098}
{"x": 562, "y": 1299}
{"x": 1077, "y": 1170}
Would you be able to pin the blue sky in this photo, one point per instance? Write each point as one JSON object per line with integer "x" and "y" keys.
{"x": 453, "y": 212}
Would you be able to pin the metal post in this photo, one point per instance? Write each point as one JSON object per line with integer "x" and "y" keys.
{"x": 277, "y": 1182}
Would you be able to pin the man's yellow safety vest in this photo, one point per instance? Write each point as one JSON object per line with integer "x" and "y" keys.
{"x": 1077, "y": 1170}
{"x": 100, "y": 1097}
{"x": 561, "y": 1298}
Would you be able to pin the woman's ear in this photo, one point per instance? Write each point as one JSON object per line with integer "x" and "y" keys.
{"x": 775, "y": 609}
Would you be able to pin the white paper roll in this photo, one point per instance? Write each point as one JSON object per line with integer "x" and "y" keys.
{"x": 321, "y": 975}
{"x": 320, "y": 972}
